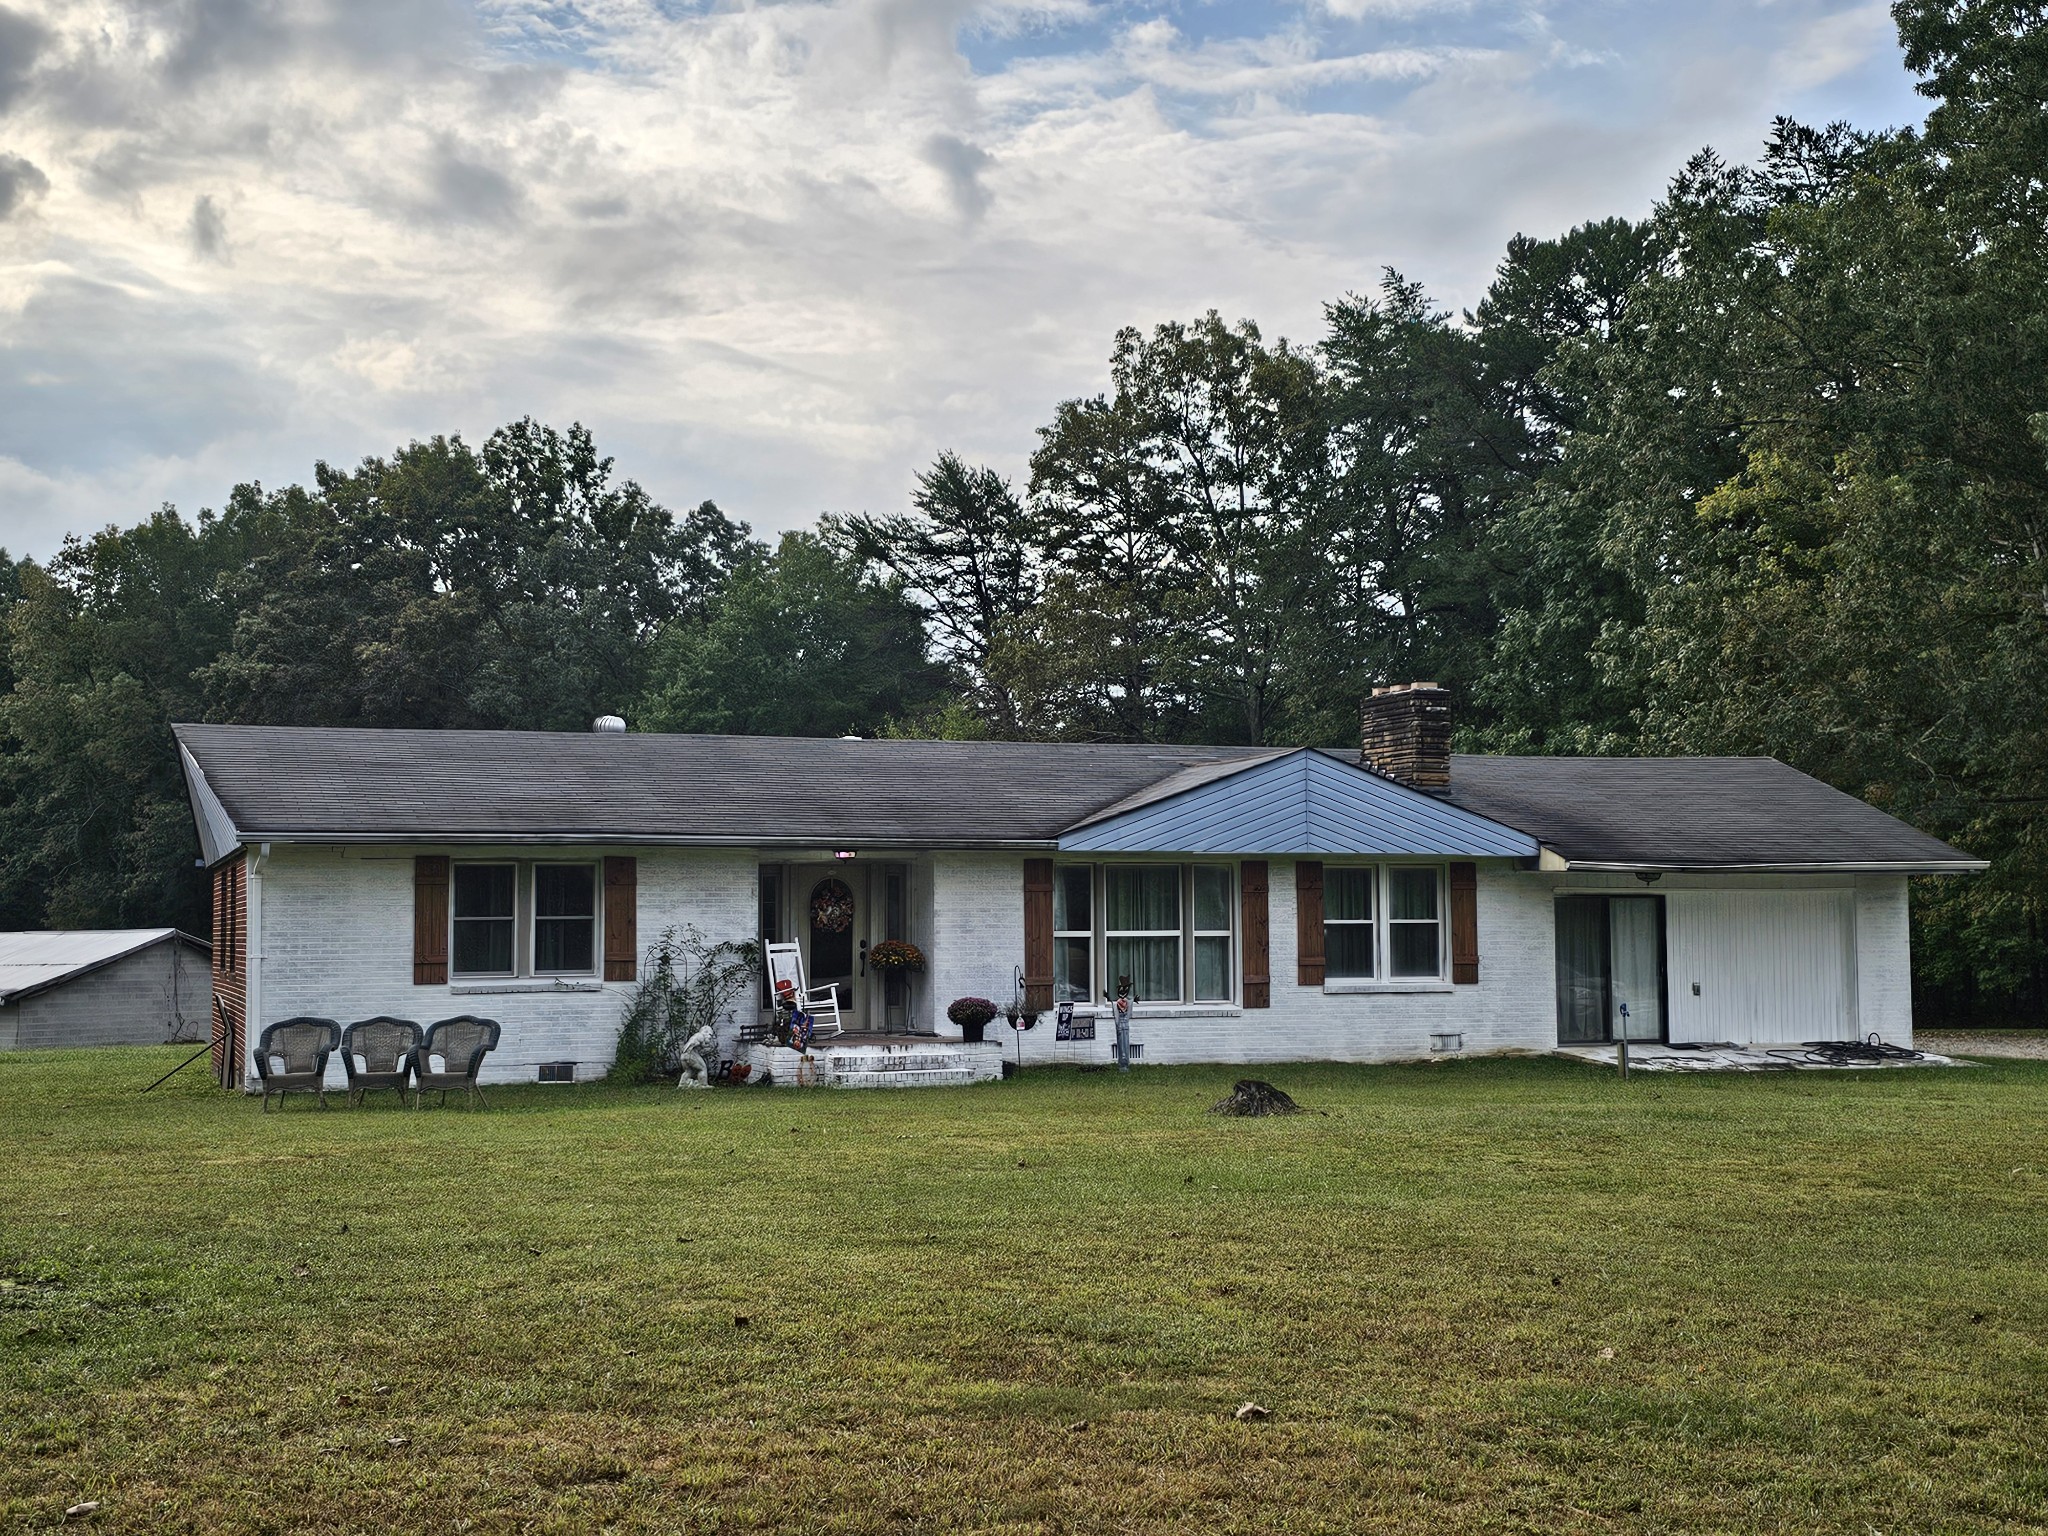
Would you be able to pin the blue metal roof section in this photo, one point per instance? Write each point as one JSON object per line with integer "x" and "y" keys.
{"x": 1306, "y": 802}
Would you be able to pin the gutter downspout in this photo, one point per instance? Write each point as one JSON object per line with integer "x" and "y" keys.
{"x": 252, "y": 979}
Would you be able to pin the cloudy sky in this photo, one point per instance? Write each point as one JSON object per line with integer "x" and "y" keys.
{"x": 776, "y": 254}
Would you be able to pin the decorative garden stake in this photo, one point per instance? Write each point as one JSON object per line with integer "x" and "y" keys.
{"x": 1020, "y": 1014}
{"x": 1621, "y": 1048}
{"x": 1124, "y": 1002}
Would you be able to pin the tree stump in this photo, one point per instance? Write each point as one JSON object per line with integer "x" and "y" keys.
{"x": 1252, "y": 1097}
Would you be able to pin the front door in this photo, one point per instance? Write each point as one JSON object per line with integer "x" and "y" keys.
{"x": 830, "y": 924}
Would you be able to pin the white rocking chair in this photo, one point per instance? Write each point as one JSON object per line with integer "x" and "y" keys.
{"x": 786, "y": 984}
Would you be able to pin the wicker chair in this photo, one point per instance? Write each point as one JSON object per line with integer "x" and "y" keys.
{"x": 461, "y": 1044}
{"x": 377, "y": 1053}
{"x": 291, "y": 1057}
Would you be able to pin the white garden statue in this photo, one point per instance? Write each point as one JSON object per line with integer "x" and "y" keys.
{"x": 696, "y": 1070}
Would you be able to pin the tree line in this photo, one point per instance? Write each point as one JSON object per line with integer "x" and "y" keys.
{"x": 1766, "y": 471}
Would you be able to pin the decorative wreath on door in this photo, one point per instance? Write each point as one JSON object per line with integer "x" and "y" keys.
{"x": 831, "y": 907}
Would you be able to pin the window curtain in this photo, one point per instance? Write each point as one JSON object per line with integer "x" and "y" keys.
{"x": 1633, "y": 923}
{"x": 1143, "y": 898}
{"x": 1152, "y": 964}
{"x": 1582, "y": 969}
{"x": 1135, "y": 899}
{"x": 1348, "y": 934}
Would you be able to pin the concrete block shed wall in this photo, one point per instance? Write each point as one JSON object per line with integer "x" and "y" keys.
{"x": 151, "y": 997}
{"x": 336, "y": 937}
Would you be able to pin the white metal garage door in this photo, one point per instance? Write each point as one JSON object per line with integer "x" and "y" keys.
{"x": 1762, "y": 966}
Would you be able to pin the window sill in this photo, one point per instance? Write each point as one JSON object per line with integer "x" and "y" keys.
{"x": 1384, "y": 988}
{"x": 1144, "y": 1011}
{"x": 536, "y": 984}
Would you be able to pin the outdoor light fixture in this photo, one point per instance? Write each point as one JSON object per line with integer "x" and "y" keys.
{"x": 843, "y": 853}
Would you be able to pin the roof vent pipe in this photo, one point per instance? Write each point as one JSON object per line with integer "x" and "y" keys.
{"x": 608, "y": 725}
{"x": 1407, "y": 735}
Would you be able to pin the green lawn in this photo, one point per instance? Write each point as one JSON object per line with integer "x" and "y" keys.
{"x": 1031, "y": 1306}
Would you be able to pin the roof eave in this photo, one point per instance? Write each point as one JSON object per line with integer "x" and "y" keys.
{"x": 619, "y": 837}
{"x": 1811, "y": 867}
{"x": 217, "y": 834}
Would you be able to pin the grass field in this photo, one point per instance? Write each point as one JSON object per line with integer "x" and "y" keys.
{"x": 1476, "y": 1296}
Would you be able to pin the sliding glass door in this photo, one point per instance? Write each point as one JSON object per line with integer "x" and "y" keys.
{"x": 1635, "y": 948}
{"x": 1610, "y": 968}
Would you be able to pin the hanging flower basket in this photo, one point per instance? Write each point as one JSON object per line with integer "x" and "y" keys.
{"x": 831, "y": 907}
{"x": 896, "y": 955}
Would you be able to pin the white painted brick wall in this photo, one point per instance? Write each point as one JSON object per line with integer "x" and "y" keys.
{"x": 1884, "y": 959}
{"x": 977, "y": 933}
{"x": 336, "y": 942}
{"x": 979, "y": 939}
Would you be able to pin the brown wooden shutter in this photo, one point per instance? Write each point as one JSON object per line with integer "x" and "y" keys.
{"x": 1038, "y": 934}
{"x": 1464, "y": 924}
{"x": 1258, "y": 982}
{"x": 429, "y": 919}
{"x": 621, "y": 919}
{"x": 1308, "y": 922}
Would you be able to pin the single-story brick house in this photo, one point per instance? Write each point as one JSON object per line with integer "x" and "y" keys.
{"x": 1267, "y": 904}
{"x": 102, "y": 986}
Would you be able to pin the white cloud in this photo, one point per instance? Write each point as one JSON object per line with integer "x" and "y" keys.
{"x": 1359, "y": 9}
{"x": 776, "y": 254}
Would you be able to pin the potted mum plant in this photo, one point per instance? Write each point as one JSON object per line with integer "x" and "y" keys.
{"x": 896, "y": 955}
{"x": 972, "y": 1015}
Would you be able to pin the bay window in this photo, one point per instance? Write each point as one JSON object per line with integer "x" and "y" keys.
{"x": 1383, "y": 921}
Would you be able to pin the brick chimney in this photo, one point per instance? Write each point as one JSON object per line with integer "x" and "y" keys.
{"x": 1407, "y": 735}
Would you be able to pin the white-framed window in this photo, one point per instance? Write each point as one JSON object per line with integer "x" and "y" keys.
{"x": 1350, "y": 937}
{"x": 1170, "y": 928}
{"x": 1073, "y": 933}
{"x": 1383, "y": 921}
{"x": 1213, "y": 889}
{"x": 1141, "y": 919}
{"x": 484, "y": 914}
{"x": 1415, "y": 925}
{"x": 564, "y": 919}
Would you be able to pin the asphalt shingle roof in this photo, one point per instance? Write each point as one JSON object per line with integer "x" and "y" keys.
{"x": 755, "y": 790}
{"x": 1680, "y": 811}
{"x": 738, "y": 789}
